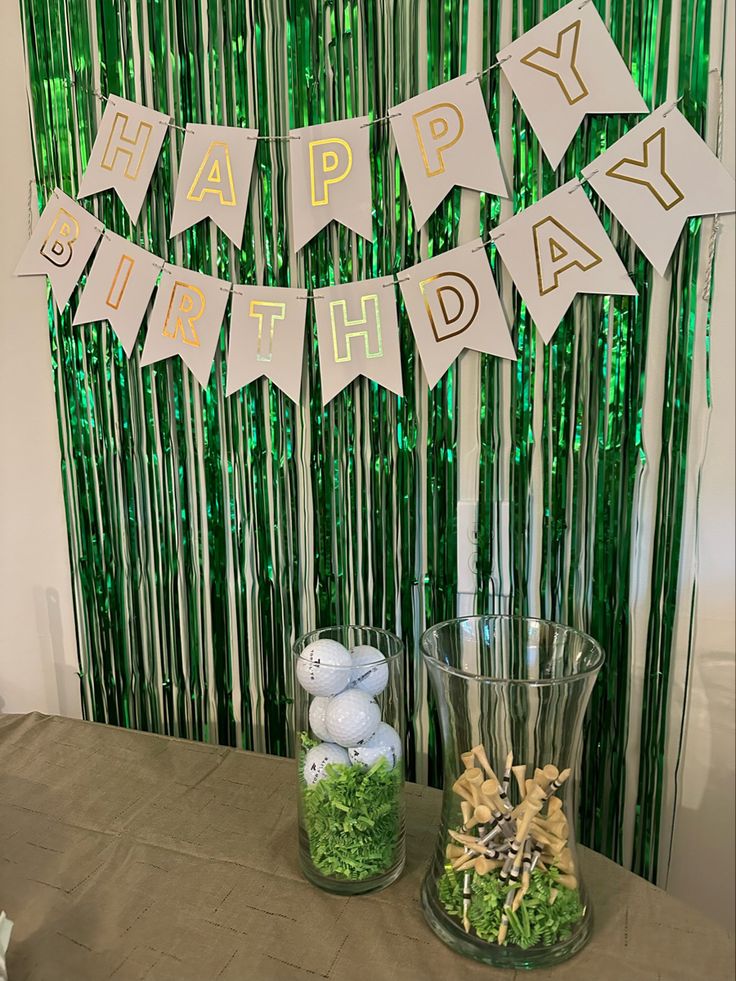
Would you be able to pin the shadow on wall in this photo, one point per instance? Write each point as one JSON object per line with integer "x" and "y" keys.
{"x": 703, "y": 855}
{"x": 61, "y": 678}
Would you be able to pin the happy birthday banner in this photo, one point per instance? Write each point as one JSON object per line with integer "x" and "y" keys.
{"x": 653, "y": 179}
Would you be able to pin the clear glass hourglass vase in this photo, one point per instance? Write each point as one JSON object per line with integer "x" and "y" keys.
{"x": 504, "y": 885}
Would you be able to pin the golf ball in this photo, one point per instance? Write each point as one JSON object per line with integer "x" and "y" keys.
{"x": 385, "y": 742}
{"x": 317, "y": 717}
{"x": 318, "y": 758}
{"x": 370, "y": 670}
{"x": 352, "y": 717}
{"x": 324, "y": 667}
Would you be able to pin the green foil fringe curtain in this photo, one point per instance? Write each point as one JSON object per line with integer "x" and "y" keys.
{"x": 206, "y": 533}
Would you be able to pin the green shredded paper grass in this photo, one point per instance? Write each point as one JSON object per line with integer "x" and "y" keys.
{"x": 353, "y": 818}
{"x": 537, "y": 920}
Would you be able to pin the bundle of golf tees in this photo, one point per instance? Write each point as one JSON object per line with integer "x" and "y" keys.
{"x": 512, "y": 840}
{"x": 343, "y": 712}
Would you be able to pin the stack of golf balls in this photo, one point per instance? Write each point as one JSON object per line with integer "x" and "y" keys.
{"x": 343, "y": 712}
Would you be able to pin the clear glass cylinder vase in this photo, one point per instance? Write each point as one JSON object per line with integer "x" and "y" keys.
{"x": 505, "y": 885}
{"x": 349, "y": 716}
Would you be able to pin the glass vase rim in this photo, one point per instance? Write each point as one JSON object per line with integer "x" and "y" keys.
{"x": 321, "y": 632}
{"x": 590, "y": 671}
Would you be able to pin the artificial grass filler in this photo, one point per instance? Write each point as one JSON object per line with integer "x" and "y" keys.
{"x": 545, "y": 917}
{"x": 353, "y": 818}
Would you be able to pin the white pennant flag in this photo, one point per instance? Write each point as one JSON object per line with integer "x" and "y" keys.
{"x": 125, "y": 152}
{"x": 186, "y": 320}
{"x": 267, "y": 337}
{"x": 656, "y": 177}
{"x": 330, "y": 174}
{"x": 119, "y": 286}
{"x": 62, "y": 242}
{"x": 444, "y": 138}
{"x": 214, "y": 178}
{"x": 453, "y": 304}
{"x": 358, "y": 334}
{"x": 565, "y": 67}
{"x": 556, "y": 249}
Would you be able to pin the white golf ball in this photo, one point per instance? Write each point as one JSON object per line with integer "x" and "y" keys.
{"x": 352, "y": 717}
{"x": 385, "y": 742}
{"x": 317, "y": 717}
{"x": 324, "y": 667}
{"x": 318, "y": 758}
{"x": 370, "y": 670}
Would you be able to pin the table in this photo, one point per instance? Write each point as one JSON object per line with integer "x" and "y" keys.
{"x": 128, "y": 856}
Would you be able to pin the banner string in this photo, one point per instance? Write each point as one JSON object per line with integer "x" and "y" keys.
{"x": 580, "y": 181}
{"x": 716, "y": 226}
{"x": 86, "y": 88}
{"x": 674, "y": 105}
{"x": 489, "y": 241}
{"x": 31, "y": 183}
{"x": 583, "y": 179}
{"x": 484, "y": 71}
{"x": 381, "y": 119}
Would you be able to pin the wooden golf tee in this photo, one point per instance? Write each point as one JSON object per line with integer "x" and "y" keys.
{"x": 550, "y": 772}
{"x": 467, "y": 896}
{"x": 483, "y": 866}
{"x": 467, "y": 808}
{"x": 465, "y": 864}
{"x": 554, "y": 804}
{"x": 558, "y": 782}
{"x": 489, "y": 792}
{"x": 507, "y": 772}
{"x": 520, "y": 776}
{"x": 481, "y": 815}
{"x": 480, "y": 755}
{"x": 462, "y": 791}
{"x": 473, "y": 777}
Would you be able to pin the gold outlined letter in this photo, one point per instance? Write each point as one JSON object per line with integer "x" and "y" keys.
{"x": 119, "y": 143}
{"x": 560, "y": 64}
{"x": 64, "y": 232}
{"x": 209, "y": 179}
{"x": 366, "y": 328}
{"x": 120, "y": 282}
{"x": 445, "y": 321}
{"x": 271, "y": 312}
{"x": 438, "y": 128}
{"x": 333, "y": 154}
{"x": 556, "y": 250}
{"x": 650, "y": 171}
{"x": 186, "y": 296}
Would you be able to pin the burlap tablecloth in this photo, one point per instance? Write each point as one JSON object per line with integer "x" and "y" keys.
{"x": 127, "y": 856}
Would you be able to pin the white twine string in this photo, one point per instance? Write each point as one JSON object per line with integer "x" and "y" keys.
{"x": 73, "y": 83}
{"x": 380, "y": 119}
{"x": 484, "y": 71}
{"x": 31, "y": 183}
{"x": 716, "y": 227}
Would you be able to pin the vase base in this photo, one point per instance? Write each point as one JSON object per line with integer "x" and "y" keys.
{"x": 498, "y": 955}
{"x": 351, "y": 887}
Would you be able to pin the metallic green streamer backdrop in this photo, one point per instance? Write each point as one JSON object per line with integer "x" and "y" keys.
{"x": 205, "y": 533}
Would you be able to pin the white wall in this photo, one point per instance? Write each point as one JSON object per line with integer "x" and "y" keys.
{"x": 37, "y": 647}
{"x": 705, "y": 816}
